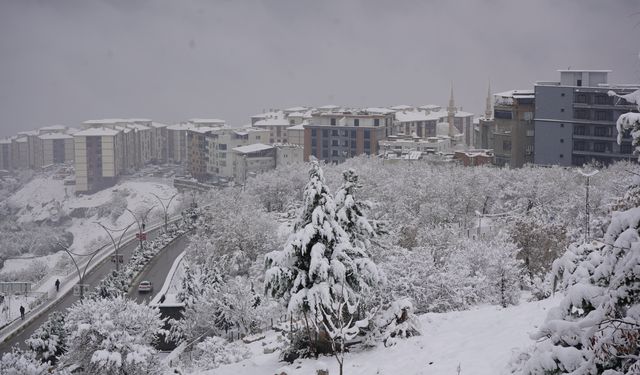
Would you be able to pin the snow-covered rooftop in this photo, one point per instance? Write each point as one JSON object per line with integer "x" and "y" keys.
{"x": 411, "y": 116}
{"x": 96, "y": 132}
{"x": 401, "y": 107}
{"x": 383, "y": 111}
{"x": 55, "y": 136}
{"x": 272, "y": 122}
{"x": 183, "y": 126}
{"x": 298, "y": 127}
{"x": 5, "y": 141}
{"x": 207, "y": 121}
{"x": 53, "y": 128}
{"x": 296, "y": 109}
{"x": 252, "y": 148}
{"x": 516, "y": 93}
{"x": 158, "y": 125}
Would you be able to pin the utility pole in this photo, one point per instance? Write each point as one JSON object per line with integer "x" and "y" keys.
{"x": 113, "y": 241}
{"x": 165, "y": 207}
{"x": 587, "y": 207}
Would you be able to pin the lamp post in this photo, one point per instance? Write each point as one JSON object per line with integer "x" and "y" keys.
{"x": 141, "y": 222}
{"x": 113, "y": 241}
{"x": 165, "y": 207}
{"x": 82, "y": 274}
{"x": 586, "y": 202}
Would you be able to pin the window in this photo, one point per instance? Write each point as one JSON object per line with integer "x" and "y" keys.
{"x": 353, "y": 134}
{"x": 561, "y": 140}
{"x": 562, "y": 125}
{"x": 334, "y": 133}
{"x": 579, "y": 82}
{"x": 528, "y": 116}
{"x": 579, "y": 145}
{"x": 503, "y": 114}
{"x": 530, "y": 133}
{"x": 581, "y": 98}
{"x": 222, "y": 146}
{"x": 506, "y": 145}
{"x": 626, "y": 148}
{"x": 367, "y": 134}
{"x": 334, "y": 142}
{"x": 325, "y": 132}
{"x": 582, "y": 114}
{"x": 561, "y": 109}
{"x": 333, "y": 121}
{"x": 602, "y": 100}
{"x": 562, "y": 94}
{"x": 600, "y": 131}
{"x": 604, "y": 115}
{"x": 325, "y": 143}
{"x": 579, "y": 130}
{"x": 353, "y": 144}
{"x": 376, "y": 122}
{"x": 334, "y": 153}
{"x": 325, "y": 153}
{"x": 356, "y": 122}
{"x": 313, "y": 132}
{"x": 561, "y": 156}
{"x": 599, "y": 146}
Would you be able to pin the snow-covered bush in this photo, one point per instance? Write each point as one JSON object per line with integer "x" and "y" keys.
{"x": 596, "y": 328}
{"x": 213, "y": 352}
{"x": 18, "y": 362}
{"x": 33, "y": 272}
{"x": 398, "y": 322}
{"x": 49, "y": 341}
{"x": 113, "y": 336}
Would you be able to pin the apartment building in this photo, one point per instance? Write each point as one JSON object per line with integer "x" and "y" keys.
{"x": 403, "y": 144}
{"x": 20, "y": 152}
{"x": 295, "y": 133}
{"x": 575, "y": 119}
{"x": 289, "y": 154}
{"x": 197, "y": 139}
{"x": 512, "y": 133}
{"x": 159, "y": 137}
{"x": 224, "y": 140}
{"x": 333, "y": 134}
{"x": 247, "y": 161}
{"x": 57, "y": 148}
{"x": 6, "y": 160}
{"x": 99, "y": 158}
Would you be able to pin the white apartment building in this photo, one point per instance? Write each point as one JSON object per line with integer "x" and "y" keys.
{"x": 223, "y": 141}
{"x": 403, "y": 144}
{"x": 289, "y": 154}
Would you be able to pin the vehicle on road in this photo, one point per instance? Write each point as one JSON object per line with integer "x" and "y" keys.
{"x": 145, "y": 287}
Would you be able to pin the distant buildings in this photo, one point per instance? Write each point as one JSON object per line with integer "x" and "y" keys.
{"x": 512, "y": 130}
{"x": 575, "y": 119}
{"x": 333, "y": 135}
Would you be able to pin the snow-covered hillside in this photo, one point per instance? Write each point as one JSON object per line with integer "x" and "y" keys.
{"x": 481, "y": 341}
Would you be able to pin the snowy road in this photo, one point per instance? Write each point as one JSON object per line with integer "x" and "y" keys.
{"x": 157, "y": 271}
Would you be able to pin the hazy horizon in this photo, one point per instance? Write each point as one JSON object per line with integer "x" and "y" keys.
{"x": 68, "y": 61}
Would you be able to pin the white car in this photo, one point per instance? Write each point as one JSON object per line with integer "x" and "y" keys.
{"x": 145, "y": 287}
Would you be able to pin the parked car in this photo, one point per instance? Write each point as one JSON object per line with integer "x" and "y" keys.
{"x": 145, "y": 287}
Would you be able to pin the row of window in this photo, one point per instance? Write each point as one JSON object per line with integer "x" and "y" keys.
{"x": 340, "y": 133}
{"x": 579, "y": 145}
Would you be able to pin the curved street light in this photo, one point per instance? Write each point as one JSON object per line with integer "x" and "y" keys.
{"x": 165, "y": 208}
{"x": 141, "y": 222}
{"x": 81, "y": 275}
{"x": 113, "y": 241}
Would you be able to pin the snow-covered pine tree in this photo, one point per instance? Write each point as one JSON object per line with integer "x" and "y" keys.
{"x": 596, "y": 328}
{"x": 318, "y": 268}
{"x": 50, "y": 340}
{"x": 629, "y": 121}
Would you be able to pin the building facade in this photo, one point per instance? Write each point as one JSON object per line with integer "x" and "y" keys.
{"x": 335, "y": 135}
{"x": 98, "y": 158}
{"x": 512, "y": 134}
{"x": 575, "y": 120}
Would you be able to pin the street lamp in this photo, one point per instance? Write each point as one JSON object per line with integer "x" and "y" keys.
{"x": 113, "y": 241}
{"x": 586, "y": 202}
{"x": 82, "y": 274}
{"x": 141, "y": 223}
{"x": 165, "y": 208}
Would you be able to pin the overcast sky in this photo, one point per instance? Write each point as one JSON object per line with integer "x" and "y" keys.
{"x": 63, "y": 61}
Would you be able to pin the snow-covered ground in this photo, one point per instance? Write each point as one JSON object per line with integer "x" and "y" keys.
{"x": 481, "y": 341}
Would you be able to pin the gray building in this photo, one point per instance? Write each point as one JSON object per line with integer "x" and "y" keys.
{"x": 575, "y": 120}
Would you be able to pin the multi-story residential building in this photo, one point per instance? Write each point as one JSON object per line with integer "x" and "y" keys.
{"x": 247, "y": 161}
{"x": 295, "y": 133}
{"x": 575, "y": 119}
{"x": 199, "y": 152}
{"x": 222, "y": 141}
{"x": 335, "y": 135}
{"x": 512, "y": 133}
{"x": 6, "y": 160}
{"x": 404, "y": 144}
{"x": 159, "y": 142}
{"x": 177, "y": 145}
{"x": 277, "y": 124}
{"x": 289, "y": 154}
{"x": 20, "y": 152}
{"x": 208, "y": 122}
{"x": 99, "y": 158}
{"x": 57, "y": 148}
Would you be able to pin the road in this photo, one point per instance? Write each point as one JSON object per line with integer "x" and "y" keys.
{"x": 157, "y": 271}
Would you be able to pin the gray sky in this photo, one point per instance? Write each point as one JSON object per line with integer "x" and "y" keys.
{"x": 63, "y": 62}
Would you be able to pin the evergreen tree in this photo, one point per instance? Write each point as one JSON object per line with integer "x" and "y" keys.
{"x": 319, "y": 268}
{"x": 596, "y": 328}
{"x": 50, "y": 340}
